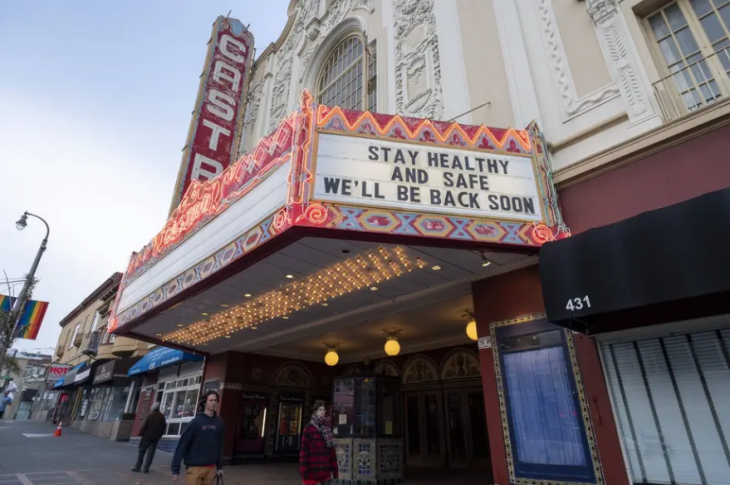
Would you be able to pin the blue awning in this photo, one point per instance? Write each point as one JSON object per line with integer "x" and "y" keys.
{"x": 162, "y": 357}
{"x": 70, "y": 376}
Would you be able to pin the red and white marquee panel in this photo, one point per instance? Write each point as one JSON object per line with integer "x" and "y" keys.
{"x": 329, "y": 170}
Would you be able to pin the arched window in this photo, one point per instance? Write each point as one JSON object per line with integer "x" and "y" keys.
{"x": 343, "y": 81}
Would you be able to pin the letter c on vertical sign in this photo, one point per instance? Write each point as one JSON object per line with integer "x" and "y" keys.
{"x": 226, "y": 50}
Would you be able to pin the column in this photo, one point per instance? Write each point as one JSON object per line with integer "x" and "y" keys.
{"x": 516, "y": 63}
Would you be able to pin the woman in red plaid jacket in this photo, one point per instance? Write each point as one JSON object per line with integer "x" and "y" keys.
{"x": 317, "y": 458}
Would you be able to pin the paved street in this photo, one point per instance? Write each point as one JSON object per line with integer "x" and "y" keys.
{"x": 31, "y": 455}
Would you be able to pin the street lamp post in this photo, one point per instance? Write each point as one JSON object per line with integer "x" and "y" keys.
{"x": 17, "y": 311}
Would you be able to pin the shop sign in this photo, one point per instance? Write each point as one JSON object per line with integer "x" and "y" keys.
{"x": 104, "y": 372}
{"x": 254, "y": 397}
{"x": 213, "y": 137}
{"x": 426, "y": 178}
{"x": 56, "y": 372}
{"x": 82, "y": 375}
{"x": 291, "y": 399}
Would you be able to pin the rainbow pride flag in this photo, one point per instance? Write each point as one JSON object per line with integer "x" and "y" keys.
{"x": 30, "y": 322}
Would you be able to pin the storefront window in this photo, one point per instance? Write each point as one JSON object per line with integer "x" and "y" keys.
{"x": 166, "y": 406}
{"x": 99, "y": 397}
{"x": 179, "y": 399}
{"x": 116, "y": 403}
{"x": 49, "y": 400}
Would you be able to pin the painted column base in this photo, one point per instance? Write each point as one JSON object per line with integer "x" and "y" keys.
{"x": 369, "y": 461}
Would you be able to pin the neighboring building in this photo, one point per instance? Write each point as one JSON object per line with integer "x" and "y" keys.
{"x": 96, "y": 395}
{"x": 29, "y": 378}
{"x": 295, "y": 253}
{"x": 172, "y": 379}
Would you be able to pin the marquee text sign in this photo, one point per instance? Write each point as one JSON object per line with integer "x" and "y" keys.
{"x": 214, "y": 130}
{"x": 425, "y": 178}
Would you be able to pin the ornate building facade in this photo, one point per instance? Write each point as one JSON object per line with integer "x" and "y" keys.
{"x": 599, "y": 329}
{"x": 630, "y": 96}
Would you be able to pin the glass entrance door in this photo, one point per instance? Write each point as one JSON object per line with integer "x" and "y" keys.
{"x": 466, "y": 428}
{"x": 424, "y": 429}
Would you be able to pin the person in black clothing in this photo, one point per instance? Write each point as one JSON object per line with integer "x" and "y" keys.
{"x": 151, "y": 431}
{"x": 201, "y": 445}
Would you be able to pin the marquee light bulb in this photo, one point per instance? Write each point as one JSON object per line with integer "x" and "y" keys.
{"x": 362, "y": 271}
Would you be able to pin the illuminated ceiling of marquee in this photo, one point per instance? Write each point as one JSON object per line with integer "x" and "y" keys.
{"x": 434, "y": 325}
{"x": 319, "y": 284}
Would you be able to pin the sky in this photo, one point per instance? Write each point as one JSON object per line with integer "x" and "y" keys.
{"x": 95, "y": 104}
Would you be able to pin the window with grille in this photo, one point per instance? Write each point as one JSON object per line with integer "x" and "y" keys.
{"x": 348, "y": 78}
{"x": 693, "y": 41}
{"x": 672, "y": 402}
{"x": 178, "y": 402}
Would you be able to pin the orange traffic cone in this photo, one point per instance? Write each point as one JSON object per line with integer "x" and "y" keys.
{"x": 58, "y": 432}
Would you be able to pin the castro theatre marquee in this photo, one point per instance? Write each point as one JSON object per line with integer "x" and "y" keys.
{"x": 337, "y": 215}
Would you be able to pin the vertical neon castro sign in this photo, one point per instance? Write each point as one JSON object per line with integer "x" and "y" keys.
{"x": 215, "y": 128}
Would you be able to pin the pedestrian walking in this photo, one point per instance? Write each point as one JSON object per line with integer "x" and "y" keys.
{"x": 201, "y": 445}
{"x": 11, "y": 388}
{"x": 6, "y": 401}
{"x": 317, "y": 457}
{"x": 151, "y": 431}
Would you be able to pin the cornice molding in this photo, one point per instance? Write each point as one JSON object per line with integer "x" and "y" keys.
{"x": 653, "y": 141}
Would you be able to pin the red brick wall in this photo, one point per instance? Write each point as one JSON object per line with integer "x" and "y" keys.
{"x": 670, "y": 176}
{"x": 520, "y": 293}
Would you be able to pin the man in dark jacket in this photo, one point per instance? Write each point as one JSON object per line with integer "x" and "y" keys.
{"x": 201, "y": 445}
{"x": 151, "y": 431}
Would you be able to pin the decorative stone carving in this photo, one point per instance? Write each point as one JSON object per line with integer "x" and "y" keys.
{"x": 571, "y": 104}
{"x": 368, "y": 5}
{"x": 335, "y": 14}
{"x": 417, "y": 63}
{"x": 420, "y": 369}
{"x": 599, "y": 9}
{"x": 617, "y": 49}
{"x": 460, "y": 364}
{"x": 304, "y": 58}
{"x": 305, "y": 11}
{"x": 313, "y": 29}
{"x": 252, "y": 106}
{"x": 387, "y": 368}
{"x": 292, "y": 375}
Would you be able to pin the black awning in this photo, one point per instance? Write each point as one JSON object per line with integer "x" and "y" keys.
{"x": 666, "y": 265}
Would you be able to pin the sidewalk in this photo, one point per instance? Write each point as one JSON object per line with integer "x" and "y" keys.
{"x": 31, "y": 455}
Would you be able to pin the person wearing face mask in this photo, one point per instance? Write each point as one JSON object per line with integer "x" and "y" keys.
{"x": 317, "y": 457}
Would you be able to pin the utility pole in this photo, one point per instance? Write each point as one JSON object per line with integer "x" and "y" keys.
{"x": 17, "y": 312}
